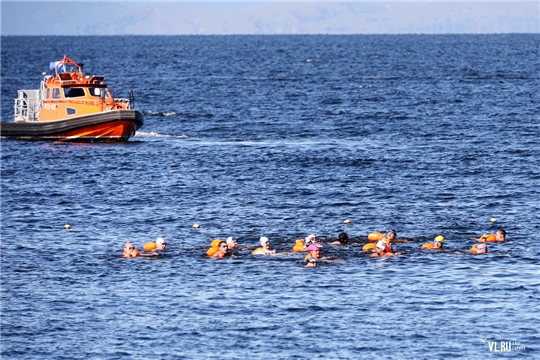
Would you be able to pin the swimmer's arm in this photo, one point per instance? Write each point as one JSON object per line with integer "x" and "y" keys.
{"x": 151, "y": 254}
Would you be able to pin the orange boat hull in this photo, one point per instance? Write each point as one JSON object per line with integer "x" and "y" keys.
{"x": 119, "y": 125}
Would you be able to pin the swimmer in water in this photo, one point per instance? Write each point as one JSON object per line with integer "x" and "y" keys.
{"x": 343, "y": 239}
{"x": 499, "y": 236}
{"x": 313, "y": 256}
{"x": 310, "y": 239}
{"x": 161, "y": 244}
{"x": 479, "y": 249}
{"x": 265, "y": 249}
{"x": 130, "y": 251}
{"x": 382, "y": 249}
{"x": 222, "y": 250}
{"x": 392, "y": 237}
{"x": 232, "y": 243}
{"x": 437, "y": 243}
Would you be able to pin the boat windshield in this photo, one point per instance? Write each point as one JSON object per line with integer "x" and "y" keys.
{"x": 97, "y": 91}
{"x": 73, "y": 92}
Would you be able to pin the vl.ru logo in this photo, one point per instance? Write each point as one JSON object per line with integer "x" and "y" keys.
{"x": 503, "y": 346}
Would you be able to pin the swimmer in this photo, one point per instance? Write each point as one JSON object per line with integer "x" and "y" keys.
{"x": 265, "y": 249}
{"x": 130, "y": 251}
{"x": 161, "y": 244}
{"x": 343, "y": 239}
{"x": 392, "y": 237}
{"x": 222, "y": 250}
{"x": 499, "y": 236}
{"x": 310, "y": 239}
{"x": 313, "y": 256}
{"x": 479, "y": 249}
{"x": 437, "y": 243}
{"x": 232, "y": 243}
{"x": 382, "y": 249}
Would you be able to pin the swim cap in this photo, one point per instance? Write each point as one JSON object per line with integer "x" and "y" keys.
{"x": 381, "y": 245}
{"x": 310, "y": 238}
{"x": 312, "y": 247}
{"x": 263, "y": 240}
{"x": 439, "y": 238}
{"x": 160, "y": 241}
{"x": 393, "y": 232}
{"x": 149, "y": 246}
{"x": 230, "y": 240}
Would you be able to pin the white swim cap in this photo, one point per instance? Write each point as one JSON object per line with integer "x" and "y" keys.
{"x": 230, "y": 240}
{"x": 160, "y": 241}
{"x": 263, "y": 240}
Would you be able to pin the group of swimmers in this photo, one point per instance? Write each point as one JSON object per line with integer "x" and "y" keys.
{"x": 378, "y": 244}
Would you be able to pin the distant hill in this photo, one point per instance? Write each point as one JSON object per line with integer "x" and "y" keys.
{"x": 114, "y": 18}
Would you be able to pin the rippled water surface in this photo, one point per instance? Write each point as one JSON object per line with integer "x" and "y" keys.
{"x": 280, "y": 136}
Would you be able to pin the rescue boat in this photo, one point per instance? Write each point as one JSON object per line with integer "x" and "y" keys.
{"x": 70, "y": 106}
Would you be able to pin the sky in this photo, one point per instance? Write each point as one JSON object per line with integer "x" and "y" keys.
{"x": 269, "y": 17}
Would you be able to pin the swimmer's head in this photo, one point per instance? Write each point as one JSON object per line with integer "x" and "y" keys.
{"x": 311, "y": 239}
{"x": 481, "y": 248}
{"x": 222, "y": 246}
{"x": 500, "y": 234}
{"x": 343, "y": 238}
{"x": 129, "y": 247}
{"x": 313, "y": 247}
{"x": 438, "y": 242}
{"x": 231, "y": 242}
{"x": 264, "y": 240}
{"x": 391, "y": 234}
{"x": 161, "y": 244}
{"x": 381, "y": 245}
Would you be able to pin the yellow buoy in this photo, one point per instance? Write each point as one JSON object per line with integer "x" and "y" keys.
{"x": 196, "y": 226}
{"x": 67, "y": 227}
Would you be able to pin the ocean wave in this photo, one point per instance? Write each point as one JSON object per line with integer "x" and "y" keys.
{"x": 155, "y": 134}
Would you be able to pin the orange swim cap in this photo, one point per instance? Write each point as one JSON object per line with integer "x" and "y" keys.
{"x": 370, "y": 246}
{"x": 374, "y": 236}
{"x": 149, "y": 246}
{"x": 427, "y": 246}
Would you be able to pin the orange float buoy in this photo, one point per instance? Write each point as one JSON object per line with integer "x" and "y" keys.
{"x": 149, "y": 246}
{"x": 299, "y": 245}
{"x": 215, "y": 243}
{"x": 427, "y": 246}
{"x": 491, "y": 237}
{"x": 473, "y": 249}
{"x": 211, "y": 251}
{"x": 370, "y": 246}
{"x": 374, "y": 236}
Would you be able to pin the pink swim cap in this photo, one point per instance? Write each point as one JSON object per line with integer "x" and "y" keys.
{"x": 312, "y": 247}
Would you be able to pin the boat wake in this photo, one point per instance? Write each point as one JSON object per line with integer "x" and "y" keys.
{"x": 166, "y": 113}
{"x": 152, "y": 134}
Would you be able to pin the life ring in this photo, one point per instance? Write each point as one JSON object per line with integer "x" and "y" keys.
{"x": 149, "y": 246}
{"x": 374, "y": 236}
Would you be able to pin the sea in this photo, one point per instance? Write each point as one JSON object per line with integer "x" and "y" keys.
{"x": 279, "y": 136}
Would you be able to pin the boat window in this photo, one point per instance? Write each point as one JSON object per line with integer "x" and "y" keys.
{"x": 73, "y": 92}
{"x": 48, "y": 96}
{"x": 56, "y": 93}
{"x": 71, "y": 111}
{"x": 96, "y": 91}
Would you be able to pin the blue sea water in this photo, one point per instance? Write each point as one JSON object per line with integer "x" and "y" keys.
{"x": 280, "y": 136}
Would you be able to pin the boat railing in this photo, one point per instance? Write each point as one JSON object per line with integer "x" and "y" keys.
{"x": 27, "y": 105}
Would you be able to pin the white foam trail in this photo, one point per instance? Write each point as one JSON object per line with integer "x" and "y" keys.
{"x": 155, "y": 134}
